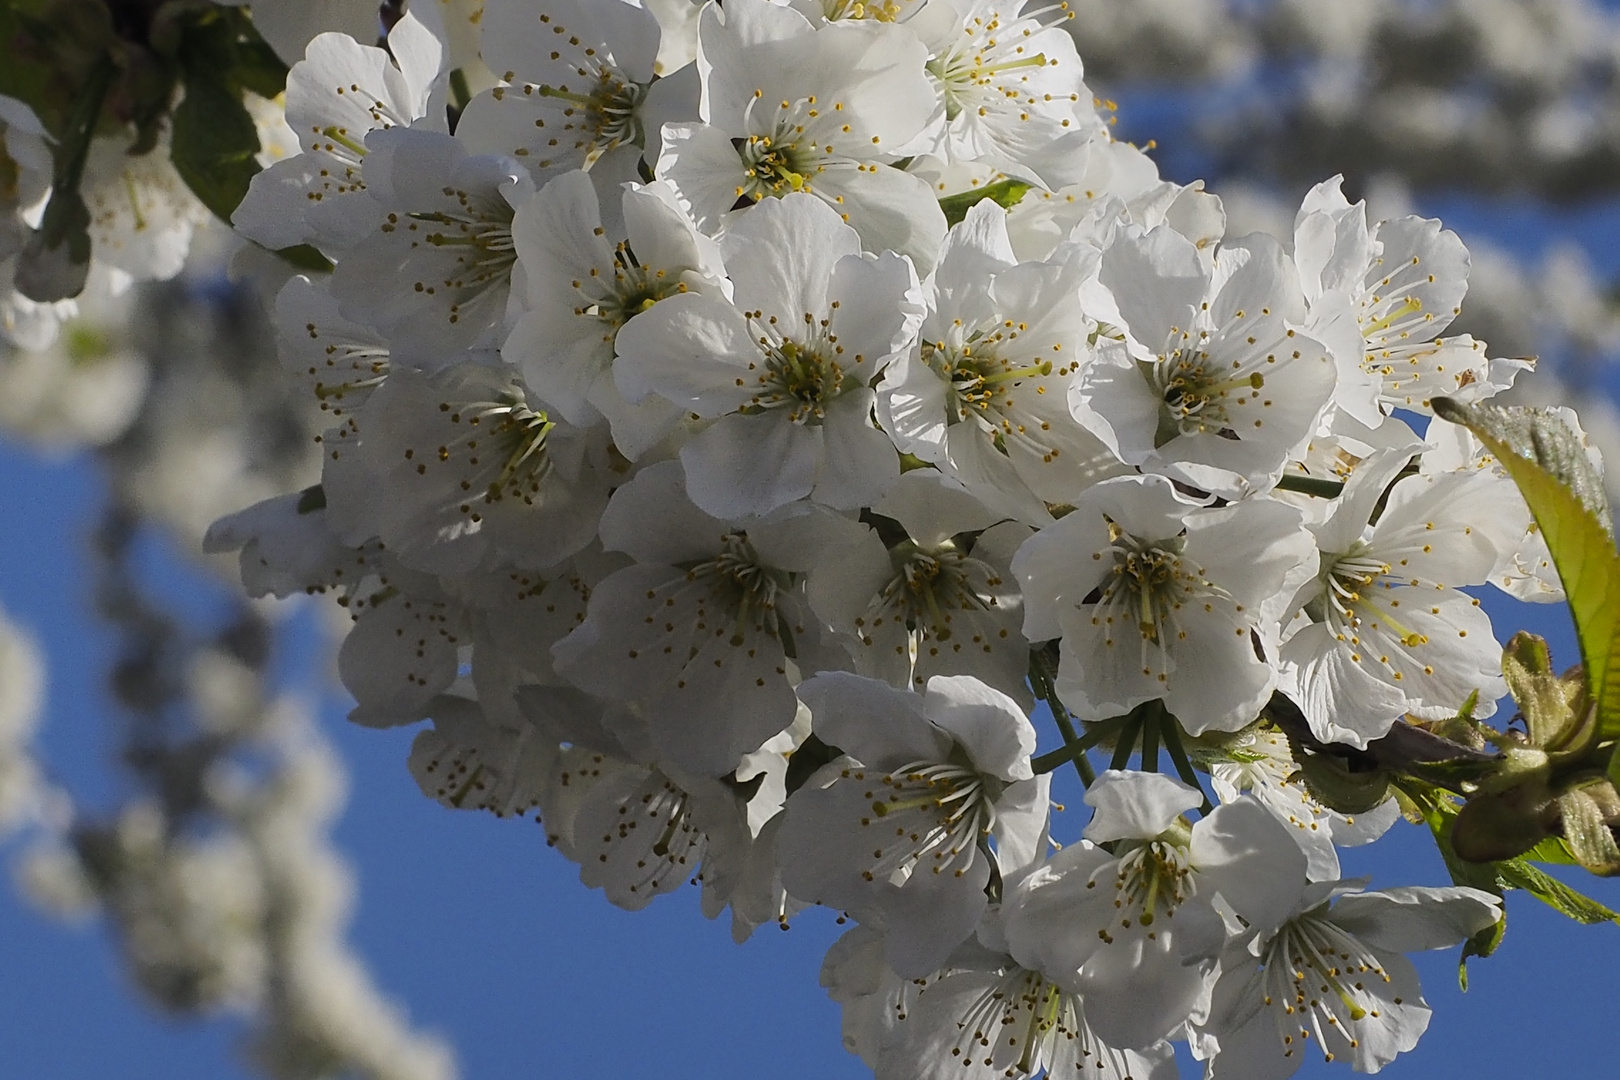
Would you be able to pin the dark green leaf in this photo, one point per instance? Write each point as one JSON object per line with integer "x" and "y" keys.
{"x": 1311, "y": 485}
{"x": 214, "y": 144}
{"x": 259, "y": 69}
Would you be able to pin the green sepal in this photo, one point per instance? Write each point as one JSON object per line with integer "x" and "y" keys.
{"x": 1331, "y": 782}
{"x": 1482, "y": 945}
{"x": 1004, "y": 193}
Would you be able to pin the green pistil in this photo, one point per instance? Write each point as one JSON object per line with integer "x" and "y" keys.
{"x": 977, "y": 378}
{"x": 772, "y": 167}
{"x": 341, "y": 137}
{"x": 1194, "y": 397}
{"x": 1411, "y": 307}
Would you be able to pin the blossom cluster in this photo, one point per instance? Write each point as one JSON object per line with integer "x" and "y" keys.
{"x": 738, "y": 415}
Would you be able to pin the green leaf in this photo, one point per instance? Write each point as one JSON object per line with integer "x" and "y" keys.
{"x": 1553, "y": 851}
{"x": 1519, "y": 874}
{"x": 1546, "y": 460}
{"x": 1004, "y": 193}
{"x": 259, "y": 69}
{"x": 1586, "y": 827}
{"x": 214, "y": 144}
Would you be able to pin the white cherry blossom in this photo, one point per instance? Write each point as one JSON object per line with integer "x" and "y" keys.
{"x": 896, "y": 829}
{"x": 1135, "y": 931}
{"x": 1332, "y": 979}
{"x": 142, "y": 214}
{"x": 336, "y": 360}
{"x": 793, "y": 107}
{"x": 985, "y": 395}
{"x": 1010, "y": 89}
{"x": 1263, "y": 766}
{"x": 435, "y": 275}
{"x": 1382, "y": 295}
{"x": 1155, "y": 597}
{"x": 930, "y": 592}
{"x": 339, "y": 93}
{"x": 705, "y": 634}
{"x": 583, "y": 286}
{"x": 994, "y": 1019}
{"x": 712, "y": 500}
{"x": 1385, "y": 630}
{"x": 577, "y": 83}
{"x": 784, "y": 368}
{"x": 461, "y": 470}
{"x": 1221, "y": 389}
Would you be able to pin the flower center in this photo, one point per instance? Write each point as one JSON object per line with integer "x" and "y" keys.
{"x": 1315, "y": 979}
{"x": 939, "y": 812}
{"x": 506, "y": 443}
{"x": 671, "y": 848}
{"x": 978, "y": 379}
{"x": 743, "y": 586}
{"x": 1147, "y": 585}
{"x": 605, "y": 116}
{"x": 801, "y": 376}
{"x": 1150, "y": 879}
{"x": 773, "y": 164}
{"x": 366, "y": 366}
{"x": 1348, "y": 596}
{"x": 929, "y": 584}
{"x": 876, "y": 10}
{"x": 479, "y": 234}
{"x": 634, "y": 289}
{"x": 967, "y": 75}
{"x": 1194, "y": 394}
{"x": 1039, "y": 1021}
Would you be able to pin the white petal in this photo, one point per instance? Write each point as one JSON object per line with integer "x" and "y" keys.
{"x": 1136, "y": 805}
